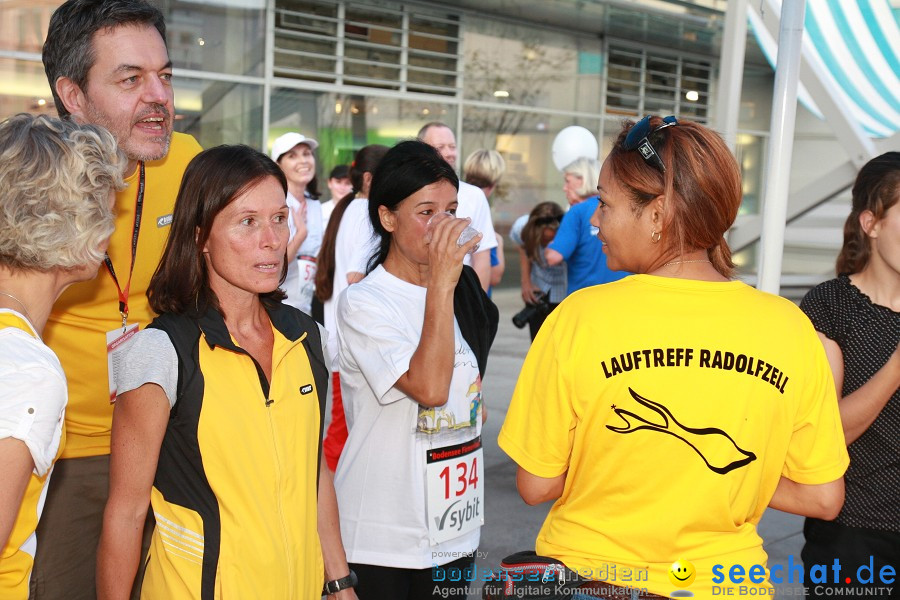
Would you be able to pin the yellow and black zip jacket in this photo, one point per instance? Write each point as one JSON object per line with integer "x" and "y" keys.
{"x": 235, "y": 490}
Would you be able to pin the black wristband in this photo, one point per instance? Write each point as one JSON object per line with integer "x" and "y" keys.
{"x": 335, "y": 586}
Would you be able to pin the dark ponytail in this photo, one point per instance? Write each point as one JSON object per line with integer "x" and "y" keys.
{"x": 366, "y": 161}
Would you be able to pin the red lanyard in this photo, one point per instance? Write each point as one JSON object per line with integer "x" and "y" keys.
{"x": 138, "y": 208}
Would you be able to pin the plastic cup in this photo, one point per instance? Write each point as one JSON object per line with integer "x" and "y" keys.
{"x": 467, "y": 234}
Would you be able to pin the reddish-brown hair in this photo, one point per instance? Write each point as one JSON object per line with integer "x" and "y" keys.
{"x": 876, "y": 189}
{"x": 701, "y": 184}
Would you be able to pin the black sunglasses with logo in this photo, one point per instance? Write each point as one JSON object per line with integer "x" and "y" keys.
{"x": 638, "y": 139}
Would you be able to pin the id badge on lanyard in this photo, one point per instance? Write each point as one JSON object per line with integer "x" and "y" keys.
{"x": 455, "y": 490}
{"x": 118, "y": 340}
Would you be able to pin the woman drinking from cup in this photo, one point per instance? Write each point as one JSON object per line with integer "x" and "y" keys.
{"x": 414, "y": 337}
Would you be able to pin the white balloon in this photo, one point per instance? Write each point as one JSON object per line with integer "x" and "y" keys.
{"x": 572, "y": 143}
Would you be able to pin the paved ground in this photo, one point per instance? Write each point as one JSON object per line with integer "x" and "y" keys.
{"x": 511, "y": 525}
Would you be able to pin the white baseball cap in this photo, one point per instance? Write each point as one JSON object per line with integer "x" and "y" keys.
{"x": 288, "y": 141}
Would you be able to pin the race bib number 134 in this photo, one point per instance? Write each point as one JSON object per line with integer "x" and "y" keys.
{"x": 455, "y": 476}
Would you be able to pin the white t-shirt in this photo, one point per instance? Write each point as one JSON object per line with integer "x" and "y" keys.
{"x": 474, "y": 204}
{"x": 327, "y": 209}
{"x": 380, "y": 479}
{"x": 354, "y": 246}
{"x": 300, "y": 283}
{"x": 33, "y": 393}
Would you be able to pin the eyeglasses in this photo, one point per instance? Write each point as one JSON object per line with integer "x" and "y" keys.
{"x": 638, "y": 139}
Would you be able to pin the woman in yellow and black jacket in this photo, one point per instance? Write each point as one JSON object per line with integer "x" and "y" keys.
{"x": 218, "y": 420}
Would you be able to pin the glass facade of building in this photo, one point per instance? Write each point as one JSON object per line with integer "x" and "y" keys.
{"x": 355, "y": 72}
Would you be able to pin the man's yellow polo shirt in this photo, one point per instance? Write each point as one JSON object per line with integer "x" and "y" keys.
{"x": 77, "y": 328}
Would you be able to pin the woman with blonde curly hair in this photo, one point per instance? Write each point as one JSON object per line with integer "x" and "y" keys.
{"x": 58, "y": 180}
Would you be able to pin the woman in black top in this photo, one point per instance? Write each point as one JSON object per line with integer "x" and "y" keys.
{"x": 857, "y": 318}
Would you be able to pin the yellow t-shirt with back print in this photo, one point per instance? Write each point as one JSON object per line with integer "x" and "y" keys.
{"x": 673, "y": 407}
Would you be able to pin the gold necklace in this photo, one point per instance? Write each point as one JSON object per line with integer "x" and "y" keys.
{"x": 22, "y": 304}
{"x": 679, "y": 262}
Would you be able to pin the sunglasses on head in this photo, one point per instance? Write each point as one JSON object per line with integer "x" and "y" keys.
{"x": 638, "y": 138}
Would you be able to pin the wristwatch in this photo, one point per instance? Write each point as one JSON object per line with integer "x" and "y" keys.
{"x": 335, "y": 586}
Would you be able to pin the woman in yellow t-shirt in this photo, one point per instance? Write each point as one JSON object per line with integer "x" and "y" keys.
{"x": 664, "y": 412}
{"x": 58, "y": 180}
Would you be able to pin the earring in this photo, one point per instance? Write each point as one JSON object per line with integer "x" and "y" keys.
{"x": 655, "y": 236}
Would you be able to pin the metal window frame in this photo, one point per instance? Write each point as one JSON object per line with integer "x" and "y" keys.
{"x": 410, "y": 16}
{"x": 413, "y": 13}
{"x": 651, "y": 59}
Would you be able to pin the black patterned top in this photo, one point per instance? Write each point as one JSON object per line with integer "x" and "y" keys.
{"x": 867, "y": 334}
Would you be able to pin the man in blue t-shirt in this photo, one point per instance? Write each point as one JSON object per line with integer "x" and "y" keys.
{"x": 576, "y": 243}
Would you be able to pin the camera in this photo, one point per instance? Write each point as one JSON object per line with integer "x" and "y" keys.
{"x": 542, "y": 306}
